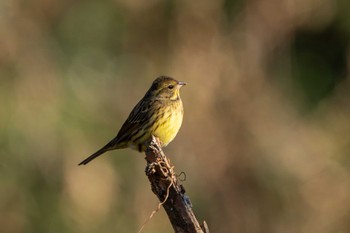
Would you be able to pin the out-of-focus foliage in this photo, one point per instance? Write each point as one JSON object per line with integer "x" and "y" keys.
{"x": 265, "y": 142}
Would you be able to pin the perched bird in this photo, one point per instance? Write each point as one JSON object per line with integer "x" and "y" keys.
{"x": 159, "y": 113}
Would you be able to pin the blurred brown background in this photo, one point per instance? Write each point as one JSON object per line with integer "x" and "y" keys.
{"x": 265, "y": 141}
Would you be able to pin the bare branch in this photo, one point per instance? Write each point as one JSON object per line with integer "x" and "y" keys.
{"x": 165, "y": 185}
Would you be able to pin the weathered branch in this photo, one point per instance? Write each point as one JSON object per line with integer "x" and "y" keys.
{"x": 165, "y": 185}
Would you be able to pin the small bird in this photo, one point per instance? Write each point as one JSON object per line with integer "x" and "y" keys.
{"x": 159, "y": 113}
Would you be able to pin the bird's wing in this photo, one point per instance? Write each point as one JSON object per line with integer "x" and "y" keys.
{"x": 137, "y": 119}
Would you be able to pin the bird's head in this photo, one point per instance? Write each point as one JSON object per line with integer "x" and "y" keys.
{"x": 166, "y": 88}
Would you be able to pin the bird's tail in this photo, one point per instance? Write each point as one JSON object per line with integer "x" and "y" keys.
{"x": 97, "y": 153}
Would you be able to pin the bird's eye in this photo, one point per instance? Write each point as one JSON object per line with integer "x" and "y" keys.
{"x": 170, "y": 86}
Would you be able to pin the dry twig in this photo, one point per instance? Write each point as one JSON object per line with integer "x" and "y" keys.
{"x": 165, "y": 185}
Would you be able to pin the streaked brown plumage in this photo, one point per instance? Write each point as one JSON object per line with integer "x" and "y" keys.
{"x": 159, "y": 113}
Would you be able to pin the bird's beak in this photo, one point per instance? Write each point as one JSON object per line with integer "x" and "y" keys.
{"x": 181, "y": 84}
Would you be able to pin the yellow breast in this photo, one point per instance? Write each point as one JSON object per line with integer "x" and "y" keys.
{"x": 170, "y": 125}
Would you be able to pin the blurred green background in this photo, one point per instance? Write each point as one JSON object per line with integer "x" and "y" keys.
{"x": 265, "y": 142}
